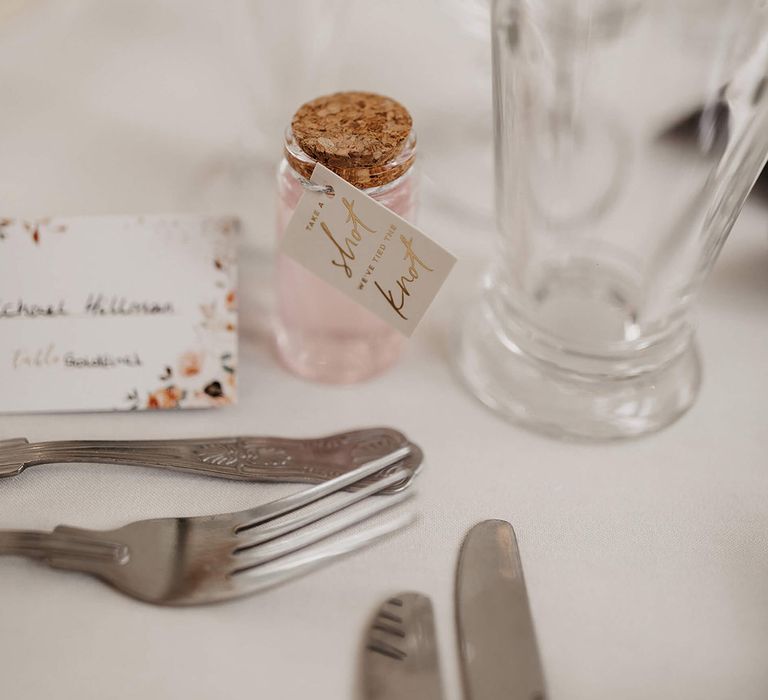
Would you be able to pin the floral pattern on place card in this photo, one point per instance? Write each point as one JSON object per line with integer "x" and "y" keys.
{"x": 118, "y": 313}
{"x": 32, "y": 228}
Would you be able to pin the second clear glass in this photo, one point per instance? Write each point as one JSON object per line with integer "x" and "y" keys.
{"x": 628, "y": 135}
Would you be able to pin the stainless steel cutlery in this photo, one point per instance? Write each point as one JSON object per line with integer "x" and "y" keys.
{"x": 400, "y": 659}
{"x": 497, "y": 641}
{"x": 205, "y": 559}
{"x": 186, "y": 561}
{"x": 244, "y": 458}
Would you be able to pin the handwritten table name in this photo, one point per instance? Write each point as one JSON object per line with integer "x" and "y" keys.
{"x": 49, "y": 356}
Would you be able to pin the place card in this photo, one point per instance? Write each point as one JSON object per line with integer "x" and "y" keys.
{"x": 117, "y": 313}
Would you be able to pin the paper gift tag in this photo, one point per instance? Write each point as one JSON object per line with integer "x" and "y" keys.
{"x": 366, "y": 251}
{"x": 117, "y": 313}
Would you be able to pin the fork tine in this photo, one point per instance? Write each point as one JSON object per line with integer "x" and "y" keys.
{"x": 256, "y": 556}
{"x": 268, "y": 575}
{"x": 269, "y": 511}
{"x": 268, "y": 532}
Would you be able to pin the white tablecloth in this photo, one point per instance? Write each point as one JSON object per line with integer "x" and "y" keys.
{"x": 647, "y": 562}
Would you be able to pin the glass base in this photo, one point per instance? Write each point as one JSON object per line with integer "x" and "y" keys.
{"x": 563, "y": 403}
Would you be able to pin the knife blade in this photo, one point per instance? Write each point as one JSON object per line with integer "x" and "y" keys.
{"x": 497, "y": 642}
{"x": 400, "y": 660}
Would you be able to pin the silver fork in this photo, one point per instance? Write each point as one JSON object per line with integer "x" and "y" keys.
{"x": 188, "y": 561}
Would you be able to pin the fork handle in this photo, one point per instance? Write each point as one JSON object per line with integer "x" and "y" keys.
{"x": 243, "y": 458}
{"x": 44, "y": 545}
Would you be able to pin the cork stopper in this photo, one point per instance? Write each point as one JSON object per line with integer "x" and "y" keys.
{"x": 361, "y": 136}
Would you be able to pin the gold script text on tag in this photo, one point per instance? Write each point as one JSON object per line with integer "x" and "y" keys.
{"x": 351, "y": 241}
{"x": 414, "y": 262}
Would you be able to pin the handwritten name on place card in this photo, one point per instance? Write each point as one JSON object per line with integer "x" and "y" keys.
{"x": 94, "y": 305}
{"x": 117, "y": 313}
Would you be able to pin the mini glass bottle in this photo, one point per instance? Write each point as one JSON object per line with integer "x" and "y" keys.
{"x": 368, "y": 140}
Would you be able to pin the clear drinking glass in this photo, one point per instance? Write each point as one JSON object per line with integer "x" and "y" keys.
{"x": 608, "y": 219}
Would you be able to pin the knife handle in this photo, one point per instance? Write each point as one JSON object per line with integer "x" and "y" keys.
{"x": 242, "y": 458}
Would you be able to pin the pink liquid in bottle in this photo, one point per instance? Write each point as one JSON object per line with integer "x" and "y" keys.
{"x": 321, "y": 334}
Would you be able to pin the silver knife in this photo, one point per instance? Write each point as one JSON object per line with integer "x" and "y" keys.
{"x": 497, "y": 642}
{"x": 400, "y": 659}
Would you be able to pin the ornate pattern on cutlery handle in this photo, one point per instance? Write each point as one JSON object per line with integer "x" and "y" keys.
{"x": 244, "y": 458}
